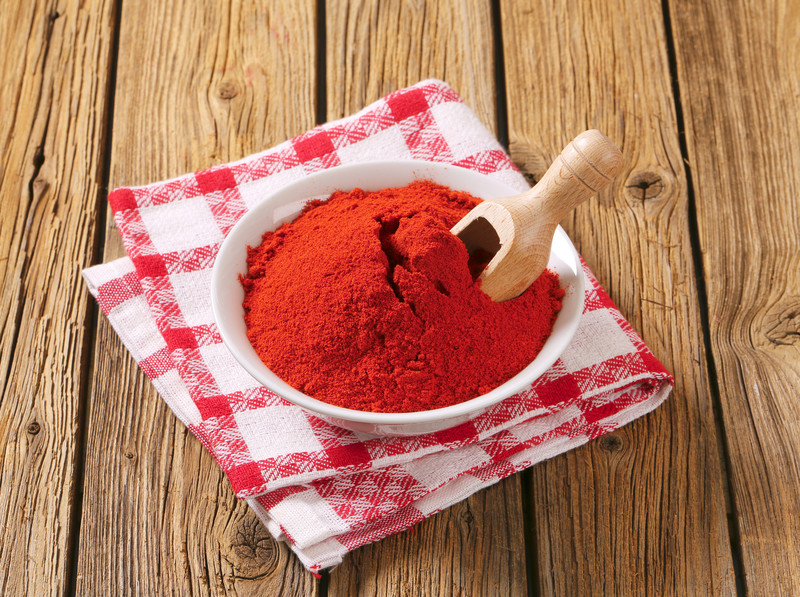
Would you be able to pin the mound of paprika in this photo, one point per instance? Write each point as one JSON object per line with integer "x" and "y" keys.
{"x": 367, "y": 301}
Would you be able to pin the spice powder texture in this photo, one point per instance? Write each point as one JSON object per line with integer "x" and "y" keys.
{"x": 366, "y": 301}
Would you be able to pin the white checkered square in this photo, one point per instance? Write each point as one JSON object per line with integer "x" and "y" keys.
{"x": 458, "y": 124}
{"x": 431, "y": 471}
{"x": 455, "y": 491}
{"x": 308, "y": 518}
{"x": 144, "y": 329}
{"x": 385, "y": 145}
{"x": 255, "y": 192}
{"x": 277, "y": 431}
{"x": 600, "y": 339}
{"x": 171, "y": 384}
{"x": 539, "y": 426}
{"x": 228, "y": 373}
{"x": 197, "y": 226}
{"x": 195, "y": 306}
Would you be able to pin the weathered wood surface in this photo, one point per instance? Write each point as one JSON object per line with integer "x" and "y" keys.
{"x": 376, "y": 47}
{"x": 158, "y": 515}
{"x": 700, "y": 497}
{"x": 642, "y": 511}
{"x": 739, "y": 75}
{"x": 472, "y": 548}
{"x": 373, "y": 47}
{"x": 54, "y": 67}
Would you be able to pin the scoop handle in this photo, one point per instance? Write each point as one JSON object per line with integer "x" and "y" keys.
{"x": 586, "y": 166}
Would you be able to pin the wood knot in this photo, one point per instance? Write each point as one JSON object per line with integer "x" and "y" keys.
{"x": 783, "y": 323}
{"x": 530, "y": 178}
{"x": 34, "y": 428}
{"x": 611, "y": 443}
{"x": 130, "y": 455}
{"x": 256, "y": 553}
{"x": 532, "y": 159}
{"x": 645, "y": 185}
{"x": 228, "y": 90}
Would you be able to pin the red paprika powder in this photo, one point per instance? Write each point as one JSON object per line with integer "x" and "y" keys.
{"x": 366, "y": 301}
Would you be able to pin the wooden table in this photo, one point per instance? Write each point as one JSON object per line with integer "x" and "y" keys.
{"x": 103, "y": 491}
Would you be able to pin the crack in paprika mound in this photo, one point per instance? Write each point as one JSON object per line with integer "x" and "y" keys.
{"x": 393, "y": 256}
{"x": 367, "y": 301}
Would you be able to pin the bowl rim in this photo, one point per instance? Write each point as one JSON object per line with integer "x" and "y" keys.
{"x": 284, "y": 390}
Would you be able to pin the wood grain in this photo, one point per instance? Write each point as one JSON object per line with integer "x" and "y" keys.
{"x": 53, "y": 78}
{"x": 472, "y": 548}
{"x": 376, "y": 47}
{"x": 373, "y": 48}
{"x": 641, "y": 511}
{"x": 740, "y": 91}
{"x": 197, "y": 84}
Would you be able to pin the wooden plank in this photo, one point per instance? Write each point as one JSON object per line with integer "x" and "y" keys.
{"x": 196, "y": 85}
{"x": 54, "y": 68}
{"x": 740, "y": 91}
{"x": 641, "y": 511}
{"x": 373, "y": 48}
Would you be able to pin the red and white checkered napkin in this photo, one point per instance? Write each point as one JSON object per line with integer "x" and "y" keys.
{"x": 324, "y": 489}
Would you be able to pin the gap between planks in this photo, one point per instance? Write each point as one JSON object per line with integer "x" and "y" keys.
{"x": 92, "y": 318}
{"x": 525, "y": 476}
{"x": 702, "y": 299}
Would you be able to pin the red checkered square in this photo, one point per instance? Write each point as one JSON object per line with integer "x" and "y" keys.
{"x": 122, "y": 200}
{"x": 407, "y": 103}
{"x": 118, "y": 291}
{"x": 215, "y": 179}
{"x": 214, "y": 406}
{"x": 436, "y": 94}
{"x": 179, "y": 338}
{"x": 283, "y": 157}
{"x": 363, "y": 497}
{"x": 161, "y": 297}
{"x": 487, "y": 162}
{"x": 331, "y": 436}
{"x": 348, "y": 455}
{"x": 245, "y": 475}
{"x": 312, "y": 146}
{"x": 651, "y": 364}
{"x": 389, "y": 446}
{"x": 456, "y": 435}
{"x": 200, "y": 382}
{"x": 273, "y": 498}
{"x": 135, "y": 235}
{"x": 150, "y": 266}
{"x": 558, "y": 390}
{"x": 157, "y": 364}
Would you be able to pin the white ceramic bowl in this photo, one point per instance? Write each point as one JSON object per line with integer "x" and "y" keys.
{"x": 284, "y": 205}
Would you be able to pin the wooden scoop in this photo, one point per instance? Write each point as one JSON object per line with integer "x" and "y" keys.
{"x": 518, "y": 230}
